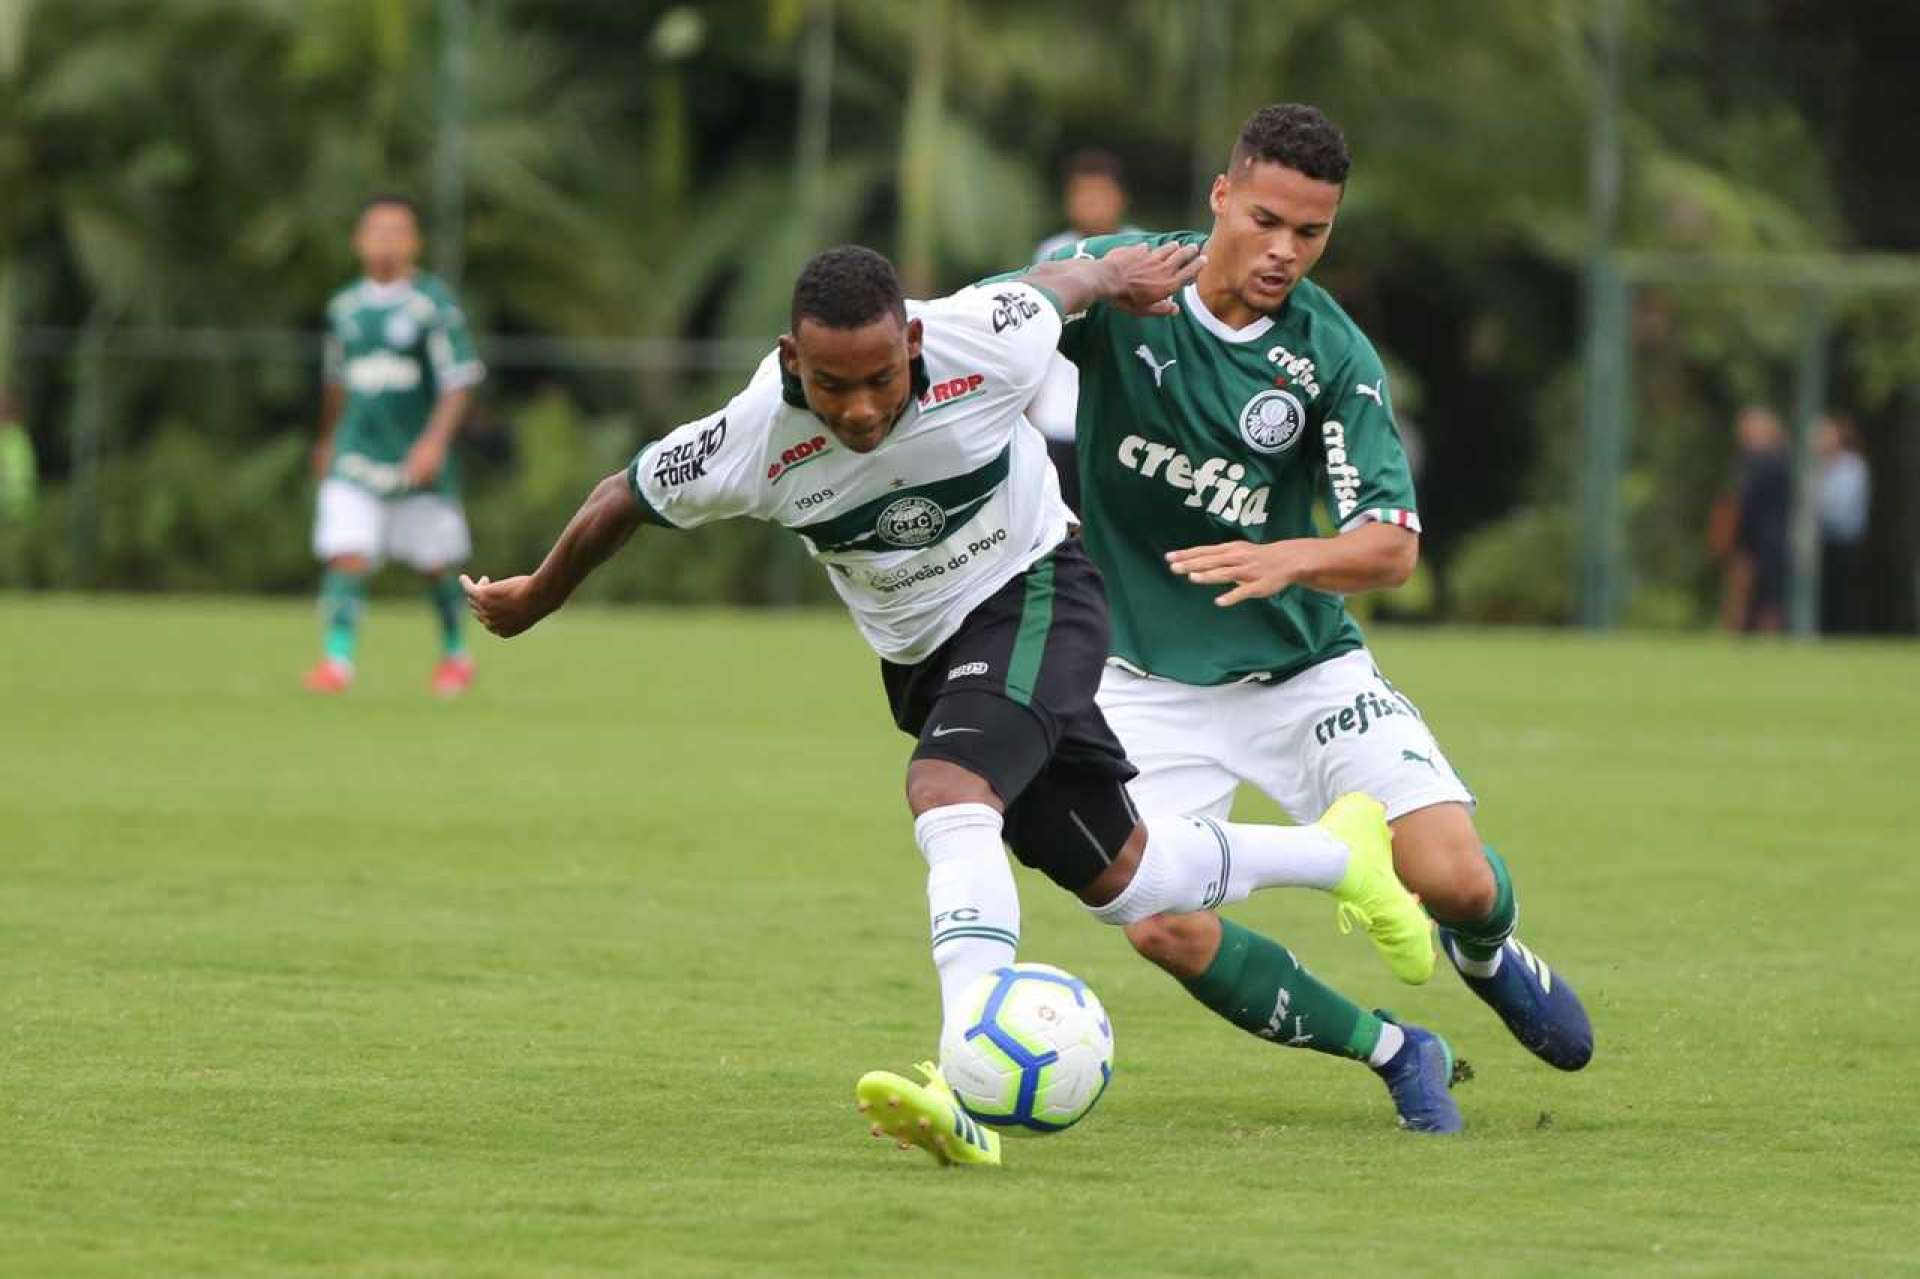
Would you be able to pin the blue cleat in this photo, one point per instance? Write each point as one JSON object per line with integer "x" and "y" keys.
{"x": 1537, "y": 1005}
{"x": 1419, "y": 1077}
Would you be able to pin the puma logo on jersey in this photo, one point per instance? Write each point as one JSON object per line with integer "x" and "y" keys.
{"x": 1371, "y": 392}
{"x": 1145, "y": 352}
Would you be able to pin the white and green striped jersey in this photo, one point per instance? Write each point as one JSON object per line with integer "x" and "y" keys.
{"x": 957, "y": 500}
{"x": 395, "y": 348}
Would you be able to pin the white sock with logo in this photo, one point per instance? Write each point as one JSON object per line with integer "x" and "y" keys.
{"x": 970, "y": 895}
{"x": 1391, "y": 1040}
{"x": 1196, "y": 863}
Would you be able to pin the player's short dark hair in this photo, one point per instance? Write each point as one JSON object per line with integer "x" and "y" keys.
{"x": 388, "y": 199}
{"x": 1297, "y": 136}
{"x": 847, "y": 287}
{"x": 1092, "y": 163}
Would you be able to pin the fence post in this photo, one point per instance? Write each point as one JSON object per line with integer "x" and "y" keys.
{"x": 1607, "y": 424}
{"x": 1608, "y": 379}
{"x": 449, "y": 151}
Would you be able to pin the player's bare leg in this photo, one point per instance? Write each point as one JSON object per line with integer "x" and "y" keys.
{"x": 1466, "y": 888}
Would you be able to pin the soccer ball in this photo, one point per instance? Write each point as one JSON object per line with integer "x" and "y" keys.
{"x": 1029, "y": 1049}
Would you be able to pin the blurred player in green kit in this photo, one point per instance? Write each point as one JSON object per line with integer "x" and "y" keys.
{"x": 400, "y": 368}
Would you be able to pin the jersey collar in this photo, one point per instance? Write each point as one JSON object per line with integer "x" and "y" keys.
{"x": 373, "y": 293}
{"x": 1213, "y": 324}
{"x": 796, "y": 395}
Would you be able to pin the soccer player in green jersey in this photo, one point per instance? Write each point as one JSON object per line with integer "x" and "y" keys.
{"x": 1207, "y": 438}
{"x": 400, "y": 368}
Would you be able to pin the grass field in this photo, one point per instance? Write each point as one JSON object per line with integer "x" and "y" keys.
{"x": 574, "y": 976}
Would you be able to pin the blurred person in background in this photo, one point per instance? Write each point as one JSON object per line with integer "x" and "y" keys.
{"x": 1846, "y": 500}
{"x": 19, "y": 470}
{"x": 400, "y": 369}
{"x": 1093, "y": 195}
{"x": 1748, "y": 527}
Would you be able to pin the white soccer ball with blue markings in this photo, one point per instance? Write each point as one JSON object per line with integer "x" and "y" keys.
{"x": 1031, "y": 1049}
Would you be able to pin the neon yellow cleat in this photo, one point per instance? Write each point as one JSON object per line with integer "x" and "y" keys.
{"x": 924, "y": 1115}
{"x": 1372, "y": 896}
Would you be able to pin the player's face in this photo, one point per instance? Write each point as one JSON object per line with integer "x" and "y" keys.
{"x": 387, "y": 241}
{"x": 1270, "y": 225}
{"x": 858, "y": 381}
{"x": 1095, "y": 204}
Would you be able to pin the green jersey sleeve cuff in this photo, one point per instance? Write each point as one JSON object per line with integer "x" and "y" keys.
{"x": 1396, "y": 516}
{"x": 1053, "y": 299}
{"x": 649, "y": 513}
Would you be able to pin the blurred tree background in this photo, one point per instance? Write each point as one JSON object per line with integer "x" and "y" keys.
{"x": 178, "y": 179}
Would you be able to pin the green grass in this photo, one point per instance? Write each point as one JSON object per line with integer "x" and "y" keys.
{"x": 575, "y": 976}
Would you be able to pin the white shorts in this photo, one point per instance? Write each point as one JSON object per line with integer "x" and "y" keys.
{"x": 424, "y": 531}
{"x": 1333, "y": 728}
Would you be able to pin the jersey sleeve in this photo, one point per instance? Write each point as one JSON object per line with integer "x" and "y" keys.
{"x": 705, "y": 470}
{"x": 333, "y": 359}
{"x": 456, "y": 364}
{"x": 333, "y": 347}
{"x": 1015, "y": 324}
{"x": 1077, "y": 335}
{"x": 1367, "y": 478}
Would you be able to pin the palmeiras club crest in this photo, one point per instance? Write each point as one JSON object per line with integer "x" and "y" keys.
{"x": 1273, "y": 421}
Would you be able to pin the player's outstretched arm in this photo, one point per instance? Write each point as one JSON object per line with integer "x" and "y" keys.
{"x": 1368, "y": 558}
{"x": 1137, "y": 279}
{"x": 600, "y": 527}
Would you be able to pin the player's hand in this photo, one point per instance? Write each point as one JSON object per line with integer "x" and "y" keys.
{"x": 1256, "y": 571}
{"x": 1149, "y": 277}
{"x": 424, "y": 461}
{"x": 506, "y": 607}
{"x": 322, "y": 458}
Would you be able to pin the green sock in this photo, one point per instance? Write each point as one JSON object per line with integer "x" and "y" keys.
{"x": 343, "y": 597}
{"x": 450, "y": 606}
{"x": 1480, "y": 940}
{"x": 1259, "y": 986}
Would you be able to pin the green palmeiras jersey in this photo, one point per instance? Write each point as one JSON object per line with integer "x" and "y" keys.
{"x": 395, "y": 348}
{"x": 957, "y": 500}
{"x": 1191, "y": 433}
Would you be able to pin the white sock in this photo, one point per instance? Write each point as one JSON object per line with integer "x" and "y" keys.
{"x": 970, "y": 895}
{"x": 1476, "y": 967}
{"x": 1391, "y": 1037}
{"x": 1196, "y": 863}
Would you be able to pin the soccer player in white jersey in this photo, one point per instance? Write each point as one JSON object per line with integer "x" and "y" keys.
{"x": 893, "y": 438}
{"x": 1208, "y": 436}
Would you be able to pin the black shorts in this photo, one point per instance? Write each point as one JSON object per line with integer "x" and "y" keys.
{"x": 1010, "y": 697}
